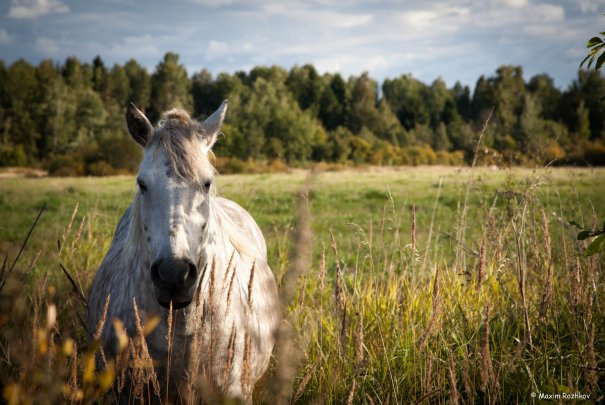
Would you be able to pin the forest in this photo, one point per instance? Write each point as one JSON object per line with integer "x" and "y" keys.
{"x": 67, "y": 117}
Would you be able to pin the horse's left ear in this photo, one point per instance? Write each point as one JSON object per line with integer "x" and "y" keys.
{"x": 212, "y": 125}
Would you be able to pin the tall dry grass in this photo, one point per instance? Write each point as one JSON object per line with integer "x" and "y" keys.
{"x": 489, "y": 316}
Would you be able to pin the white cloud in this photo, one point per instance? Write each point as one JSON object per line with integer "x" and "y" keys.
{"x": 216, "y": 49}
{"x": 29, "y": 9}
{"x": 47, "y": 46}
{"x": 512, "y": 3}
{"x": 349, "y": 64}
{"x": 5, "y": 37}
{"x": 346, "y": 20}
{"x": 548, "y": 13}
{"x": 135, "y": 47}
{"x": 540, "y": 30}
{"x": 589, "y": 6}
{"x": 457, "y": 39}
{"x": 228, "y": 50}
{"x": 212, "y": 3}
{"x": 418, "y": 18}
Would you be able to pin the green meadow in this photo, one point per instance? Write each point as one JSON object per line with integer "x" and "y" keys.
{"x": 427, "y": 284}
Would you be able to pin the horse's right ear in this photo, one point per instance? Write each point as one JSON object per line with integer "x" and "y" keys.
{"x": 139, "y": 126}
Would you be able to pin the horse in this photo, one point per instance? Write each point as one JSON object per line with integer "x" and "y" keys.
{"x": 194, "y": 262}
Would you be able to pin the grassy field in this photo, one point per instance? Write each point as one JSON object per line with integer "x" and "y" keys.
{"x": 442, "y": 284}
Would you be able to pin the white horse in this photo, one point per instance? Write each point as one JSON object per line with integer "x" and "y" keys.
{"x": 178, "y": 244}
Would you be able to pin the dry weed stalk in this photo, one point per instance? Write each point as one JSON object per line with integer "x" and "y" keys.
{"x": 359, "y": 353}
{"x": 414, "y": 250}
{"x": 591, "y": 369}
{"x": 245, "y": 375}
{"x": 547, "y": 241}
{"x": 576, "y": 287}
{"x": 460, "y": 236}
{"x": 228, "y": 268}
{"x": 522, "y": 273}
{"x": 430, "y": 235}
{"x": 547, "y": 295}
{"x": 428, "y": 383}
{"x": 145, "y": 362}
{"x": 339, "y": 290}
{"x": 286, "y": 355}
{"x": 466, "y": 381}
{"x": 122, "y": 360}
{"x": 212, "y": 287}
{"x": 100, "y": 326}
{"x": 303, "y": 289}
{"x": 482, "y": 263}
{"x": 343, "y": 324}
{"x": 454, "y": 396}
{"x": 351, "y": 396}
{"x": 230, "y": 290}
{"x": 74, "y": 242}
{"x": 103, "y": 319}
{"x": 322, "y": 268}
{"x": 195, "y": 353}
{"x": 230, "y": 353}
{"x": 435, "y": 313}
{"x": 303, "y": 383}
{"x": 251, "y": 284}
{"x": 68, "y": 228}
{"x": 486, "y": 359}
{"x": 6, "y": 272}
{"x": 72, "y": 382}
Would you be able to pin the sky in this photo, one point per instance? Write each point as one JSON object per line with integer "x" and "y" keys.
{"x": 429, "y": 39}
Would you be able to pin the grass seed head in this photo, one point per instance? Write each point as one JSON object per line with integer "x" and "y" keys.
{"x": 322, "y": 268}
{"x": 103, "y": 319}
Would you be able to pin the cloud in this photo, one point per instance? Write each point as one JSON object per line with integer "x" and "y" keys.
{"x": 351, "y": 64}
{"x": 549, "y": 13}
{"x": 30, "y": 9}
{"x": 512, "y": 3}
{"x": 212, "y": 3}
{"x": 216, "y": 49}
{"x": 139, "y": 46}
{"x": 589, "y": 6}
{"x": 47, "y": 46}
{"x": 5, "y": 37}
{"x": 455, "y": 39}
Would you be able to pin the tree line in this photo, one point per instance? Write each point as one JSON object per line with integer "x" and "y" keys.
{"x": 68, "y": 117}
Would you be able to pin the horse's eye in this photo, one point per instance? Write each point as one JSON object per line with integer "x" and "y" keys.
{"x": 207, "y": 185}
{"x": 142, "y": 186}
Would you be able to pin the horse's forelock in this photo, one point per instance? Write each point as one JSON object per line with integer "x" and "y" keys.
{"x": 179, "y": 137}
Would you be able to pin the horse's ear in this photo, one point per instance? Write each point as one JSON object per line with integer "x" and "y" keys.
{"x": 139, "y": 126}
{"x": 212, "y": 125}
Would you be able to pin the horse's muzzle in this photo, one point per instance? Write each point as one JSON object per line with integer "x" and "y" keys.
{"x": 174, "y": 280}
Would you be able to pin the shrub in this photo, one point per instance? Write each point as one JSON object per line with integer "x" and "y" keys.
{"x": 455, "y": 158}
{"x": 277, "y": 166}
{"x": 594, "y": 153}
{"x": 100, "y": 168}
{"x": 418, "y": 155}
{"x": 12, "y": 155}
{"x": 65, "y": 166}
{"x": 229, "y": 165}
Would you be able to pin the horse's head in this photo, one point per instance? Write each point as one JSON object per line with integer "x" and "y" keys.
{"x": 172, "y": 205}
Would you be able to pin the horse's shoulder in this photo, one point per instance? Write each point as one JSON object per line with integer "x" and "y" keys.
{"x": 231, "y": 207}
{"x": 240, "y": 224}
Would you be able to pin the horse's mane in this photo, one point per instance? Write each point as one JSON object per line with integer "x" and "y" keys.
{"x": 178, "y": 135}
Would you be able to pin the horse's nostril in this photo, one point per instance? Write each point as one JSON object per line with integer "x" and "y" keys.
{"x": 192, "y": 272}
{"x": 173, "y": 273}
{"x": 155, "y": 271}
